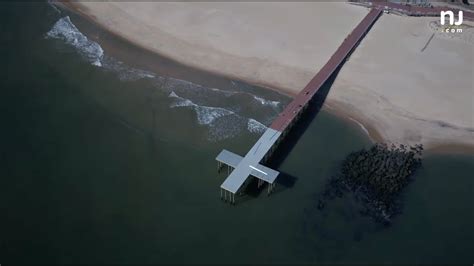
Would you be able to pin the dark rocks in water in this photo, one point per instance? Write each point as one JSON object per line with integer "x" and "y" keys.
{"x": 376, "y": 177}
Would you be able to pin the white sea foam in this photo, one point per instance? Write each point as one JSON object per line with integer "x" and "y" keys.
{"x": 51, "y": 4}
{"x": 125, "y": 73}
{"x": 225, "y": 92}
{"x": 178, "y": 84}
{"x": 219, "y": 129}
{"x": 360, "y": 125}
{"x": 255, "y": 127}
{"x": 266, "y": 102}
{"x": 174, "y": 95}
{"x": 65, "y": 30}
{"x": 205, "y": 114}
{"x": 174, "y": 82}
{"x": 222, "y": 123}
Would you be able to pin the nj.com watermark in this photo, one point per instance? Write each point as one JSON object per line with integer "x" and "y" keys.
{"x": 454, "y": 26}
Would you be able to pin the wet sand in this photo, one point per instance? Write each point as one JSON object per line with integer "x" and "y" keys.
{"x": 392, "y": 112}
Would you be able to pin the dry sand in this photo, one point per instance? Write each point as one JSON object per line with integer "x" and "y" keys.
{"x": 410, "y": 95}
{"x": 402, "y": 94}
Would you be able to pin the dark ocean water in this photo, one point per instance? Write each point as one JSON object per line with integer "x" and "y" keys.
{"x": 102, "y": 162}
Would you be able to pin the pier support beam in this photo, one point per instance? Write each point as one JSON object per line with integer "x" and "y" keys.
{"x": 219, "y": 166}
{"x": 227, "y": 196}
{"x": 270, "y": 188}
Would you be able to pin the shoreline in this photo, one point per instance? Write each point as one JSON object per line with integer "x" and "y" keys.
{"x": 174, "y": 68}
{"x": 447, "y": 148}
{"x": 138, "y": 56}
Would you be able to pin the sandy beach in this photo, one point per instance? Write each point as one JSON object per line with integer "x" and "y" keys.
{"x": 400, "y": 83}
{"x": 410, "y": 95}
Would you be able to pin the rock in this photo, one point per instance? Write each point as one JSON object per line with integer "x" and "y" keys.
{"x": 376, "y": 176}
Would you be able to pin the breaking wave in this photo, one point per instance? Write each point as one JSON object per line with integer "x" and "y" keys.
{"x": 188, "y": 85}
{"x": 51, "y": 4}
{"x": 266, "y": 102}
{"x": 205, "y": 114}
{"x": 125, "y": 72}
{"x": 222, "y": 122}
{"x": 65, "y": 30}
{"x": 255, "y": 127}
{"x": 172, "y": 82}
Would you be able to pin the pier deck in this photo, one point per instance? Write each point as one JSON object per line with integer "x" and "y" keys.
{"x": 249, "y": 165}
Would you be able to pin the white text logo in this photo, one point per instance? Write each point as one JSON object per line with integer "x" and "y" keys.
{"x": 450, "y": 15}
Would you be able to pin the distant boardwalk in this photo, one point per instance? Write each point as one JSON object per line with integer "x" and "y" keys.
{"x": 241, "y": 168}
{"x": 411, "y": 10}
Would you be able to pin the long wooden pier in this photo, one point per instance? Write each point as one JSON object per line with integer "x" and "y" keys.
{"x": 241, "y": 168}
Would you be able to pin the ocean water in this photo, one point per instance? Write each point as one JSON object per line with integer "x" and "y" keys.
{"x": 105, "y": 162}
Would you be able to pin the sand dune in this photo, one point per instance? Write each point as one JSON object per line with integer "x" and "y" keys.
{"x": 405, "y": 92}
